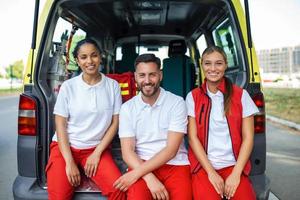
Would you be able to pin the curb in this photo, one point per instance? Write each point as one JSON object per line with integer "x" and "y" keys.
{"x": 272, "y": 196}
{"x": 284, "y": 122}
{"x": 9, "y": 96}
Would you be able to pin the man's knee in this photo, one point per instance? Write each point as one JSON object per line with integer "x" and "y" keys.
{"x": 139, "y": 190}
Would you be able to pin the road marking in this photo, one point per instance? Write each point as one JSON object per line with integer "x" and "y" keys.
{"x": 9, "y": 97}
{"x": 10, "y": 110}
{"x": 282, "y": 156}
{"x": 272, "y": 197}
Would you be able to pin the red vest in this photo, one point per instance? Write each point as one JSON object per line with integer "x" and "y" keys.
{"x": 234, "y": 119}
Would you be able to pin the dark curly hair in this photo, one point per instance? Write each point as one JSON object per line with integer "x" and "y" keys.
{"x": 82, "y": 42}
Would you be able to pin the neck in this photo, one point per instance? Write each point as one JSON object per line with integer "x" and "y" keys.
{"x": 152, "y": 99}
{"x": 91, "y": 79}
{"x": 213, "y": 86}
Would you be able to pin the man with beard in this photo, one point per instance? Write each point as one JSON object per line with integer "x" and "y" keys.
{"x": 152, "y": 127}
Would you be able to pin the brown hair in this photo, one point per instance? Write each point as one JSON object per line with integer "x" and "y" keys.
{"x": 228, "y": 83}
{"x": 147, "y": 57}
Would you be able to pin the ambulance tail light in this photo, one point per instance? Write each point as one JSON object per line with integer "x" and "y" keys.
{"x": 259, "y": 118}
{"x": 27, "y": 121}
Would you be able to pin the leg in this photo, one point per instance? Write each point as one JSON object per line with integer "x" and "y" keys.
{"x": 244, "y": 190}
{"x": 202, "y": 188}
{"x": 177, "y": 180}
{"x": 139, "y": 190}
{"x": 59, "y": 187}
{"x": 107, "y": 174}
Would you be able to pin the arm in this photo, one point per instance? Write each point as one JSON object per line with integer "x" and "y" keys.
{"x": 133, "y": 161}
{"x": 127, "y": 138}
{"x": 215, "y": 179}
{"x": 233, "y": 180}
{"x": 167, "y": 153}
{"x": 142, "y": 169}
{"x": 64, "y": 147}
{"x": 92, "y": 162}
{"x": 128, "y": 153}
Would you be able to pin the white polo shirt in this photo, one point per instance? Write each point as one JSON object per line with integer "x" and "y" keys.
{"x": 219, "y": 151}
{"x": 150, "y": 124}
{"x": 89, "y": 109}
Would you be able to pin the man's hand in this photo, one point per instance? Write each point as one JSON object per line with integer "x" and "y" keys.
{"x": 73, "y": 173}
{"x": 156, "y": 188}
{"x": 91, "y": 164}
{"x": 125, "y": 181}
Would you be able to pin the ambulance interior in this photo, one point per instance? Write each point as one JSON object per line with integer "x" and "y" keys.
{"x": 175, "y": 31}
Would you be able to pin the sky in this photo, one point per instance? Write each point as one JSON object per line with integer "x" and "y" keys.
{"x": 274, "y": 23}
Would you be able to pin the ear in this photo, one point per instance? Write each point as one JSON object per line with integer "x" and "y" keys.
{"x": 161, "y": 75}
{"x": 135, "y": 76}
{"x": 79, "y": 67}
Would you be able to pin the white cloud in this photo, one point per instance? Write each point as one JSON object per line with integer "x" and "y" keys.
{"x": 275, "y": 23}
{"x": 16, "y": 20}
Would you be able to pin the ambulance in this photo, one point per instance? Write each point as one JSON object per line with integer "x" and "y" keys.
{"x": 177, "y": 31}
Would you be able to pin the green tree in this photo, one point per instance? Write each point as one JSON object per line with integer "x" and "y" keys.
{"x": 15, "y": 70}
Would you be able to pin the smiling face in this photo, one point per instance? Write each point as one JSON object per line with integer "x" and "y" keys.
{"x": 148, "y": 77}
{"x": 88, "y": 59}
{"x": 214, "y": 65}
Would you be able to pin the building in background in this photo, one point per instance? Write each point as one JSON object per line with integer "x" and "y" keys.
{"x": 296, "y": 59}
{"x": 284, "y": 61}
{"x": 280, "y": 67}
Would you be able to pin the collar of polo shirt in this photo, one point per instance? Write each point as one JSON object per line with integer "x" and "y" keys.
{"x": 87, "y": 86}
{"x": 158, "y": 101}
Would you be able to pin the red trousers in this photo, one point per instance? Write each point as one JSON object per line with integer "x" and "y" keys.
{"x": 204, "y": 190}
{"x": 59, "y": 187}
{"x": 176, "y": 179}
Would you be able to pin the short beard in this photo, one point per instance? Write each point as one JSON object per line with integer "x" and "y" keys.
{"x": 155, "y": 89}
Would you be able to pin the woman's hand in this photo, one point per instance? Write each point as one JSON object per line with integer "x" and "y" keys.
{"x": 231, "y": 184}
{"x": 125, "y": 181}
{"x": 91, "y": 165}
{"x": 217, "y": 181}
{"x": 73, "y": 173}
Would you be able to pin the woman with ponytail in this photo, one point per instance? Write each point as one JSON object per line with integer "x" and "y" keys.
{"x": 221, "y": 132}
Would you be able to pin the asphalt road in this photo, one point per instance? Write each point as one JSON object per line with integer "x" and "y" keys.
{"x": 8, "y": 143}
{"x": 283, "y": 154}
{"x": 283, "y": 161}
